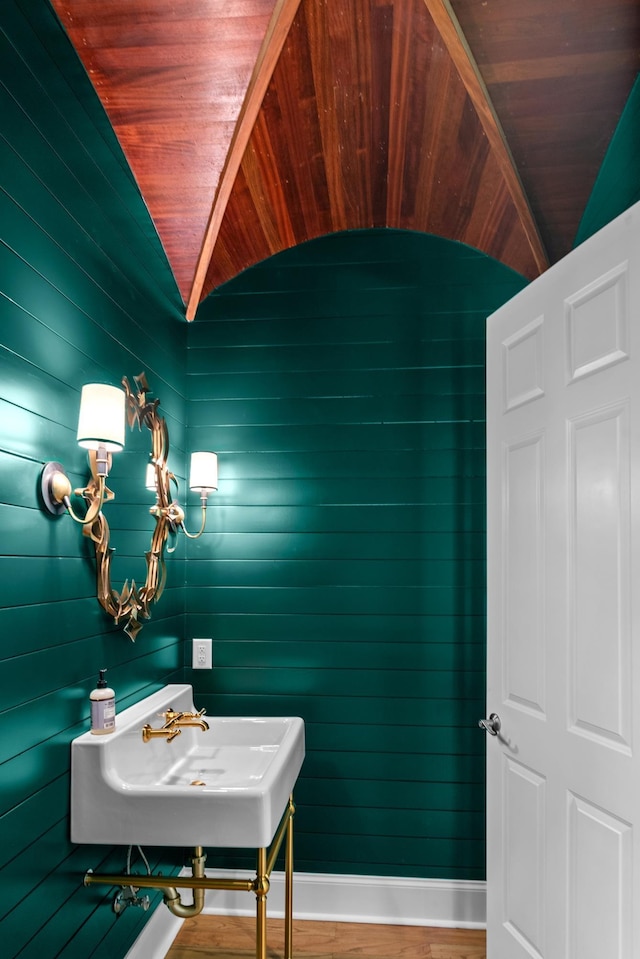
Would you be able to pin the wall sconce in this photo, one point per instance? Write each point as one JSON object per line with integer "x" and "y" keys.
{"x": 101, "y": 431}
{"x": 203, "y": 478}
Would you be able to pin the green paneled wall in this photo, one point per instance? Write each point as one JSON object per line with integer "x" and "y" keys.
{"x": 342, "y": 576}
{"x": 85, "y": 293}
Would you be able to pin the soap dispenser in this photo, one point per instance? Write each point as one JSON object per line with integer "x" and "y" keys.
{"x": 103, "y": 707}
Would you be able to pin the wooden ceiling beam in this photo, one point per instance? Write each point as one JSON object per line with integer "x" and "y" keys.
{"x": 449, "y": 28}
{"x": 277, "y": 31}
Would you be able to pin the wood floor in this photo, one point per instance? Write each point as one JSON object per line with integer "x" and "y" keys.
{"x": 225, "y": 937}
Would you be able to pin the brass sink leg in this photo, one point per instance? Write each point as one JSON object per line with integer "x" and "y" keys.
{"x": 261, "y": 889}
{"x": 264, "y": 867}
{"x": 288, "y": 885}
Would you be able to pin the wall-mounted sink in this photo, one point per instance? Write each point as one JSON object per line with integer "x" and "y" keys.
{"x": 227, "y": 786}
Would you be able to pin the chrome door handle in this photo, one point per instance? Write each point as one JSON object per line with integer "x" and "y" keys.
{"x": 491, "y": 725}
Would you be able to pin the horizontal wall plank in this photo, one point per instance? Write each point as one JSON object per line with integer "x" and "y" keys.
{"x": 313, "y": 795}
{"x": 417, "y": 738}
{"x": 396, "y": 767}
{"x": 424, "y": 407}
{"x": 347, "y": 600}
{"x": 361, "y": 328}
{"x": 381, "y": 437}
{"x": 383, "y": 850}
{"x": 421, "y": 354}
{"x": 234, "y": 388}
{"x": 374, "y": 630}
{"x": 303, "y": 653}
{"x": 365, "y": 463}
{"x": 341, "y": 709}
{"x": 370, "y": 543}
{"x": 321, "y": 572}
{"x": 421, "y": 823}
{"x": 276, "y": 513}
{"x": 387, "y": 685}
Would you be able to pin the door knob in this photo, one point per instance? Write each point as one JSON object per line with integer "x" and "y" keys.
{"x": 491, "y": 725}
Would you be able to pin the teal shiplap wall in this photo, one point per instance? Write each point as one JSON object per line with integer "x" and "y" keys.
{"x": 85, "y": 293}
{"x": 342, "y": 576}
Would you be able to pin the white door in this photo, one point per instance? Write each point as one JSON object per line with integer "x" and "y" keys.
{"x": 563, "y": 668}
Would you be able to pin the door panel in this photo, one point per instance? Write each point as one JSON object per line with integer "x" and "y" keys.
{"x": 563, "y": 495}
{"x": 524, "y": 854}
{"x": 524, "y": 660}
{"x": 600, "y": 877}
{"x": 599, "y": 576}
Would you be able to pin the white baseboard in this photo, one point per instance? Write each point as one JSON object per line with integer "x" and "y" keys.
{"x": 336, "y": 898}
{"x": 374, "y": 899}
{"x": 157, "y": 937}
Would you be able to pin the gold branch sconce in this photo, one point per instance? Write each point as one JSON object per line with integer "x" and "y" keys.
{"x": 101, "y": 430}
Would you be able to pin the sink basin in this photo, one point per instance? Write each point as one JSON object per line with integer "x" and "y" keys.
{"x": 228, "y": 786}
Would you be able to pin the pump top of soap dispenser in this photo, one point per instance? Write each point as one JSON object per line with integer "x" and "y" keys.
{"x": 102, "y": 683}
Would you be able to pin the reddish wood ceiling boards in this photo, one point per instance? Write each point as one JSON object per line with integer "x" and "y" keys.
{"x": 558, "y": 73}
{"x": 258, "y": 124}
{"x": 367, "y": 123}
{"x": 172, "y": 76}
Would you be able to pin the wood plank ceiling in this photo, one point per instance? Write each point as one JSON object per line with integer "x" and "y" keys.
{"x": 254, "y": 125}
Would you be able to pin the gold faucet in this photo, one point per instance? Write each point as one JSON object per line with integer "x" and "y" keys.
{"x": 169, "y": 734}
{"x": 173, "y": 721}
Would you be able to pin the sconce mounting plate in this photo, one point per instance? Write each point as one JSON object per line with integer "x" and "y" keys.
{"x": 53, "y": 505}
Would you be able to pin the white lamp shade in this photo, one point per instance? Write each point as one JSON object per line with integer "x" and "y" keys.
{"x": 101, "y": 419}
{"x": 150, "y": 477}
{"x": 204, "y": 471}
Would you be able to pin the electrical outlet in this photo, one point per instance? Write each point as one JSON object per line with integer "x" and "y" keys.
{"x": 202, "y": 654}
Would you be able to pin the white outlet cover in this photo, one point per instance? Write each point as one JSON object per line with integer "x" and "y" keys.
{"x": 202, "y": 654}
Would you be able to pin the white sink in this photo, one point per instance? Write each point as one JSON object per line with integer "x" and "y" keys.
{"x": 125, "y": 791}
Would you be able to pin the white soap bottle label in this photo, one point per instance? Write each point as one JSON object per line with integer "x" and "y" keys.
{"x": 103, "y": 714}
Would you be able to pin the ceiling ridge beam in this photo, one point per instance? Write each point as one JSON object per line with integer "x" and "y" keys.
{"x": 274, "y": 38}
{"x": 455, "y": 41}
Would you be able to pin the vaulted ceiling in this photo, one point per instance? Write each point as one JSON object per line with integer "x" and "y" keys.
{"x": 254, "y": 125}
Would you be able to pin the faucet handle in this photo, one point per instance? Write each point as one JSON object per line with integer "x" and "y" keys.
{"x": 167, "y": 733}
{"x": 170, "y": 715}
{"x": 187, "y": 714}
